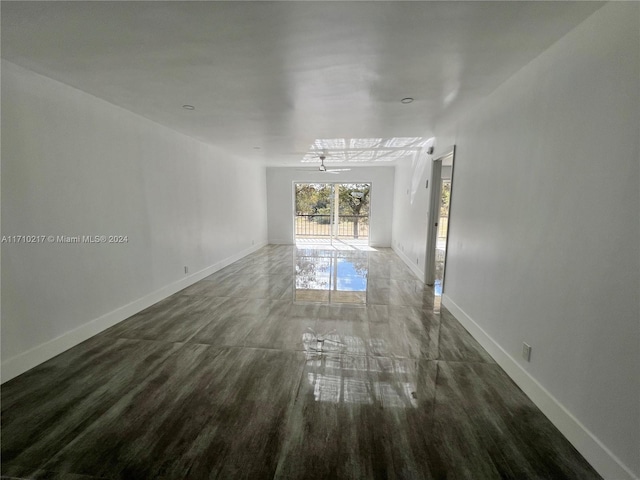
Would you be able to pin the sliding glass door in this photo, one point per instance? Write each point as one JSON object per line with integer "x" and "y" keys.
{"x": 328, "y": 212}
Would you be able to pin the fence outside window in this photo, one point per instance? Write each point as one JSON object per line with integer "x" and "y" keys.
{"x": 317, "y": 225}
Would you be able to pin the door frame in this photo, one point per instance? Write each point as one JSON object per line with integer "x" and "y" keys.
{"x": 434, "y": 215}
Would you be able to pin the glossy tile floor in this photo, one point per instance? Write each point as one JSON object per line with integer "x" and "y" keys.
{"x": 288, "y": 364}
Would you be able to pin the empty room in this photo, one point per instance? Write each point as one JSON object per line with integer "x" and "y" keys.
{"x": 320, "y": 240}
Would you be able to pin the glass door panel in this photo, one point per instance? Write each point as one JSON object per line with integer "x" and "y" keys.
{"x": 353, "y": 211}
{"x": 325, "y": 212}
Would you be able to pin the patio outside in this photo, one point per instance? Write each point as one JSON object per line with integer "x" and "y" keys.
{"x": 332, "y": 214}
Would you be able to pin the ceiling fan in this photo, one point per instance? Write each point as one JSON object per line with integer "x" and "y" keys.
{"x": 324, "y": 169}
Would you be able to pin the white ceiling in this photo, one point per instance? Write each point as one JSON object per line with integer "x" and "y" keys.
{"x": 280, "y": 81}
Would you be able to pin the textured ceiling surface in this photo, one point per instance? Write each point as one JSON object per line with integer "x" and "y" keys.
{"x": 283, "y": 82}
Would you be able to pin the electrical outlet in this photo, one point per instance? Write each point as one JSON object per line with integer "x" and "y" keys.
{"x": 186, "y": 269}
{"x": 526, "y": 351}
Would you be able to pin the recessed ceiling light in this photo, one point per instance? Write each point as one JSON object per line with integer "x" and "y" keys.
{"x": 407, "y": 100}
{"x": 188, "y": 107}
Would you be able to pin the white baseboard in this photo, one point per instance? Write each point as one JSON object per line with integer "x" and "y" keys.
{"x": 591, "y": 448}
{"x": 414, "y": 268}
{"x": 41, "y": 353}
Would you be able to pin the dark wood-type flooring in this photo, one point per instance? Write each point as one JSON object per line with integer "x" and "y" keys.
{"x": 232, "y": 378}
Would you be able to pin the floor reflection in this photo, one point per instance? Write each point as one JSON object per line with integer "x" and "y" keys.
{"x": 331, "y": 276}
{"x": 360, "y": 380}
{"x": 343, "y": 361}
{"x": 283, "y": 389}
{"x": 440, "y": 256}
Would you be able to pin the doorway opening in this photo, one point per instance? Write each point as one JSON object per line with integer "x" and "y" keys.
{"x": 439, "y": 215}
{"x": 332, "y": 214}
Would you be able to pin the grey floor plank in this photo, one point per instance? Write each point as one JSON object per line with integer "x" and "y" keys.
{"x": 360, "y": 417}
{"x": 233, "y": 377}
{"x": 487, "y": 428}
{"x": 406, "y": 332}
{"x": 201, "y": 399}
{"x": 176, "y": 322}
{"x": 283, "y": 333}
{"x": 456, "y": 344}
{"x": 245, "y": 435}
{"x": 233, "y": 321}
{"x": 18, "y": 472}
{"x": 49, "y": 406}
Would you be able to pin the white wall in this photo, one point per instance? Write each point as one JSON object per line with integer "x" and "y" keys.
{"x": 544, "y": 242}
{"x": 280, "y": 199}
{"x": 74, "y": 164}
{"x": 411, "y": 209}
